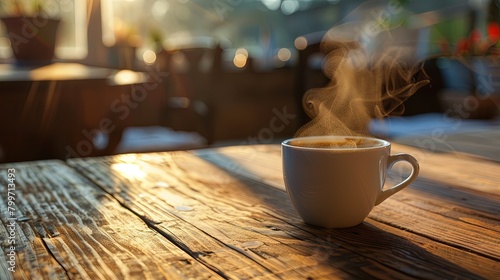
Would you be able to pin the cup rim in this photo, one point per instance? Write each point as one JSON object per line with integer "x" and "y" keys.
{"x": 286, "y": 143}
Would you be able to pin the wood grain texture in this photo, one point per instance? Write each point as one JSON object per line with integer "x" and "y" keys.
{"x": 227, "y": 208}
{"x": 224, "y": 213}
{"x": 211, "y": 215}
{"x": 463, "y": 219}
{"x": 69, "y": 229}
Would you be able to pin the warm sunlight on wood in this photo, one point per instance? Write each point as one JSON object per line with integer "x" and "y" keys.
{"x": 129, "y": 170}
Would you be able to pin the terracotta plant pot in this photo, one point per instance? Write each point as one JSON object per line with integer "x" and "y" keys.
{"x": 32, "y": 39}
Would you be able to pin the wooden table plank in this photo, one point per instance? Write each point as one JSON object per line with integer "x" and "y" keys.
{"x": 448, "y": 214}
{"x": 456, "y": 169}
{"x": 68, "y": 228}
{"x": 259, "y": 162}
{"x": 242, "y": 227}
{"x": 482, "y": 142}
{"x": 224, "y": 213}
{"x": 218, "y": 233}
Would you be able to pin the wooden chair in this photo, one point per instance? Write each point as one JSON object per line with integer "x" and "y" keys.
{"x": 193, "y": 71}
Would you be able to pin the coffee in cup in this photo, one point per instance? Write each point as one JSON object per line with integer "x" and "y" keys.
{"x": 338, "y": 143}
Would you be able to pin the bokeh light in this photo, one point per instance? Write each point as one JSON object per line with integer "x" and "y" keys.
{"x": 272, "y": 4}
{"x": 240, "y": 57}
{"x": 242, "y": 51}
{"x": 289, "y": 7}
{"x": 240, "y": 60}
{"x": 300, "y": 43}
{"x": 149, "y": 57}
{"x": 284, "y": 54}
{"x": 160, "y": 9}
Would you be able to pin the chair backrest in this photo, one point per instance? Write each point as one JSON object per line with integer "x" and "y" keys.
{"x": 194, "y": 69}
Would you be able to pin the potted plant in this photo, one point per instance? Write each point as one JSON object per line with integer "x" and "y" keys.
{"x": 31, "y": 31}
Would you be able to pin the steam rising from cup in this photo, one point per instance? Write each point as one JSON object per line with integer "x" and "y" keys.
{"x": 369, "y": 78}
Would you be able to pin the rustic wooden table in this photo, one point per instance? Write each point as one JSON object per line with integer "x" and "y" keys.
{"x": 224, "y": 213}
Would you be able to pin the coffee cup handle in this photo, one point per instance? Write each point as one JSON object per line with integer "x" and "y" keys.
{"x": 391, "y": 160}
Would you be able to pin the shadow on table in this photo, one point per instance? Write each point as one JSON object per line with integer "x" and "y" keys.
{"x": 372, "y": 243}
{"x": 366, "y": 246}
{"x": 461, "y": 199}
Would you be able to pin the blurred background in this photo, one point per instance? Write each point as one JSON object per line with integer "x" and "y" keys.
{"x": 152, "y": 75}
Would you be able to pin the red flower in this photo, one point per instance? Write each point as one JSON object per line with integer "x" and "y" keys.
{"x": 493, "y": 32}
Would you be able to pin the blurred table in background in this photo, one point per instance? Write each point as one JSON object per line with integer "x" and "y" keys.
{"x": 55, "y": 111}
{"x": 68, "y": 110}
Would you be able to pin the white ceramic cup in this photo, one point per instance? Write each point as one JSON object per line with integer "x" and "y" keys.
{"x": 337, "y": 186}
